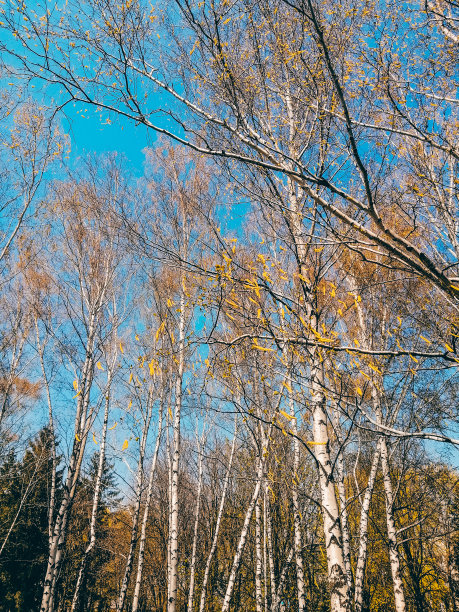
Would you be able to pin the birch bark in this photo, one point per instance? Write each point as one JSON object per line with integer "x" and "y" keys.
{"x": 363, "y": 533}
{"x": 195, "y": 530}
{"x": 173, "y": 539}
{"x": 217, "y": 524}
{"x": 96, "y": 499}
{"x": 138, "y": 500}
{"x": 259, "y": 560}
{"x": 143, "y": 531}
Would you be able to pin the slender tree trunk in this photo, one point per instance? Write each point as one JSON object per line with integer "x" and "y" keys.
{"x": 296, "y": 510}
{"x": 363, "y": 532}
{"x": 399, "y": 593}
{"x": 172, "y": 602}
{"x": 195, "y": 532}
{"x": 265, "y": 560}
{"x": 269, "y": 544}
{"x": 217, "y": 525}
{"x": 344, "y": 521}
{"x": 138, "y": 502}
{"x": 243, "y": 537}
{"x": 143, "y": 531}
{"x": 259, "y": 560}
{"x": 96, "y": 499}
{"x": 277, "y": 605}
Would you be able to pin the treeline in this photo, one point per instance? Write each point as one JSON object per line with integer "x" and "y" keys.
{"x": 228, "y": 379}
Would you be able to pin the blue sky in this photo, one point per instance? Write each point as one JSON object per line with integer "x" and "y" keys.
{"x": 90, "y": 134}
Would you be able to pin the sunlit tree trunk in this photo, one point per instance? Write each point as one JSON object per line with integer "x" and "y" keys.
{"x": 217, "y": 524}
{"x": 399, "y": 593}
{"x": 97, "y": 492}
{"x": 138, "y": 500}
{"x": 363, "y": 532}
{"x": 195, "y": 530}
{"x": 243, "y": 537}
{"x": 143, "y": 530}
{"x": 296, "y": 509}
{"x": 174, "y": 503}
{"x": 259, "y": 560}
{"x": 269, "y": 543}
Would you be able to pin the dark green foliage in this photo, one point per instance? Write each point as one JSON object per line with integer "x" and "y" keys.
{"x": 25, "y": 487}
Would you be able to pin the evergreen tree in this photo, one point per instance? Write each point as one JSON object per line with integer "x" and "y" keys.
{"x": 24, "y": 507}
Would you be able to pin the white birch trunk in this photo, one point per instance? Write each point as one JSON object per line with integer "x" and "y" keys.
{"x": 269, "y": 545}
{"x": 243, "y": 538}
{"x": 363, "y": 533}
{"x": 399, "y": 593}
{"x": 217, "y": 524}
{"x": 265, "y": 561}
{"x": 138, "y": 501}
{"x": 195, "y": 532}
{"x": 143, "y": 531}
{"x": 173, "y": 540}
{"x": 344, "y": 520}
{"x": 96, "y": 499}
{"x": 276, "y": 606}
{"x": 259, "y": 560}
{"x": 298, "y": 544}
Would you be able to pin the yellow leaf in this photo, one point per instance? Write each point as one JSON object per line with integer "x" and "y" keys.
{"x": 262, "y": 348}
{"x": 94, "y": 439}
{"x": 160, "y": 330}
{"x": 425, "y": 339}
{"x": 113, "y": 426}
{"x": 77, "y": 437}
{"x": 287, "y": 386}
{"x": 125, "y": 445}
{"x": 414, "y": 358}
{"x": 77, "y": 394}
{"x": 374, "y": 368}
{"x": 231, "y": 303}
{"x": 75, "y": 384}
{"x": 170, "y": 412}
{"x": 131, "y": 377}
{"x": 99, "y": 366}
{"x": 286, "y": 415}
{"x": 449, "y": 348}
{"x": 315, "y": 443}
{"x": 359, "y": 390}
{"x": 137, "y": 337}
{"x": 121, "y": 348}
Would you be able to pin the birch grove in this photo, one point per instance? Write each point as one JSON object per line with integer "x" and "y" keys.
{"x": 228, "y": 358}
